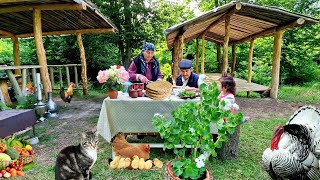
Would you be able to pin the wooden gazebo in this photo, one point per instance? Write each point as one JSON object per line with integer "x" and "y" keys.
{"x": 235, "y": 23}
{"x": 37, "y": 18}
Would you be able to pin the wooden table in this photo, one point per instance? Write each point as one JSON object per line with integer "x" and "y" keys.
{"x": 12, "y": 121}
{"x": 133, "y": 115}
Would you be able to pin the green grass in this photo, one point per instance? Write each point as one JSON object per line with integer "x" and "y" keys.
{"x": 309, "y": 92}
{"x": 255, "y": 137}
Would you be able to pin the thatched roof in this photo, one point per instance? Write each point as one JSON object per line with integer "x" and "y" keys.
{"x": 58, "y": 17}
{"x": 246, "y": 20}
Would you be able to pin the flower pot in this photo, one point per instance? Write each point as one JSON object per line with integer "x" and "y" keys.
{"x": 170, "y": 176}
{"x": 113, "y": 94}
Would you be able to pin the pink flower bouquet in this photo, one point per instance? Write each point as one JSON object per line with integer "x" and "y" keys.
{"x": 113, "y": 77}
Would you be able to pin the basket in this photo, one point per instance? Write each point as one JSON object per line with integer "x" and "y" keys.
{"x": 28, "y": 159}
{"x": 4, "y": 164}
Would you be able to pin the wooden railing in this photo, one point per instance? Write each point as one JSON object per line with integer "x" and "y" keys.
{"x": 26, "y": 77}
{"x": 67, "y": 68}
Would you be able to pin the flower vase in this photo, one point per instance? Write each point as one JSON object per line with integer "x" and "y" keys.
{"x": 169, "y": 175}
{"x": 113, "y": 94}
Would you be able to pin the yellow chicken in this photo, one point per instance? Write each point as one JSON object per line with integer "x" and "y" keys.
{"x": 135, "y": 157}
{"x": 122, "y": 163}
{"x": 114, "y": 164}
{"x": 127, "y": 162}
{"x": 135, "y": 162}
{"x": 148, "y": 165}
{"x": 141, "y": 163}
{"x": 157, "y": 163}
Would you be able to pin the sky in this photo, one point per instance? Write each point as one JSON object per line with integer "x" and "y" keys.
{"x": 193, "y": 5}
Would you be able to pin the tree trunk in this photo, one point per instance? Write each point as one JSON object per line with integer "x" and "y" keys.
{"x": 37, "y": 28}
{"x": 122, "y": 53}
{"x": 177, "y": 54}
{"x": 127, "y": 60}
{"x": 219, "y": 59}
{"x": 83, "y": 65}
{"x": 16, "y": 54}
{"x": 230, "y": 149}
{"x": 234, "y": 60}
{"x": 225, "y": 44}
{"x": 276, "y": 64}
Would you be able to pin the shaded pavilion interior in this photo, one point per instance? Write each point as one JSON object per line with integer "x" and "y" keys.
{"x": 38, "y": 18}
{"x": 232, "y": 24}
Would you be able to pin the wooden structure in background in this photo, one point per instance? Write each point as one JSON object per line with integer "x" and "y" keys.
{"x": 68, "y": 68}
{"x": 242, "y": 85}
{"x": 235, "y": 23}
{"x": 37, "y": 18}
{"x": 30, "y": 77}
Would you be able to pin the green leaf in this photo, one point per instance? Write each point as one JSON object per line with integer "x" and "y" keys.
{"x": 192, "y": 171}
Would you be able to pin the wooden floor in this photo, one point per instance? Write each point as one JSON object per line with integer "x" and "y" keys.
{"x": 241, "y": 84}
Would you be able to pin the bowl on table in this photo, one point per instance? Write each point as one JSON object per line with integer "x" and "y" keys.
{"x": 133, "y": 93}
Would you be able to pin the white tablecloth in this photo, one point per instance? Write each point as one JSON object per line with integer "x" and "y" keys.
{"x": 133, "y": 115}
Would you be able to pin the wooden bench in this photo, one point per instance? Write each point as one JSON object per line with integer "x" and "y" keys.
{"x": 12, "y": 121}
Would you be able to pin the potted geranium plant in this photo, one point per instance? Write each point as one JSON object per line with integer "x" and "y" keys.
{"x": 190, "y": 126}
{"x": 112, "y": 79}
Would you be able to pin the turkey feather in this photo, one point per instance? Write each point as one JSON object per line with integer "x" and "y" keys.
{"x": 295, "y": 148}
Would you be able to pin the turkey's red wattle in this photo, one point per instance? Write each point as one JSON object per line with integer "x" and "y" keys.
{"x": 277, "y": 132}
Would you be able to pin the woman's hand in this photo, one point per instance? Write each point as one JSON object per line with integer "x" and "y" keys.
{"x": 143, "y": 79}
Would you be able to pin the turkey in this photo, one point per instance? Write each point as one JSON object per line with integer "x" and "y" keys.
{"x": 295, "y": 147}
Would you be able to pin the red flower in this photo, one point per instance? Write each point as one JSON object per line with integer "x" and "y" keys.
{"x": 118, "y": 66}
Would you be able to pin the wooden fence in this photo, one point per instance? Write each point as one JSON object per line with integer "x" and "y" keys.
{"x": 28, "y": 73}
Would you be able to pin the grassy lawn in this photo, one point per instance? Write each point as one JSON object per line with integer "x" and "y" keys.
{"x": 255, "y": 137}
{"x": 307, "y": 93}
{"x": 310, "y": 93}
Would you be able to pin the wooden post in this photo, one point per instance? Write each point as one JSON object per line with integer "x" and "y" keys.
{"x": 5, "y": 94}
{"x": 60, "y": 77}
{"x": 234, "y": 59}
{"x": 83, "y": 65}
{"x": 37, "y": 29}
{"x": 276, "y": 64}
{"x": 24, "y": 81}
{"x": 203, "y": 54}
{"x": 15, "y": 84}
{"x": 16, "y": 54}
{"x": 51, "y": 76}
{"x": 1, "y": 96}
{"x": 28, "y": 76}
{"x": 219, "y": 60}
{"x": 225, "y": 44}
{"x": 76, "y": 76}
{"x": 250, "y": 63}
{"x": 177, "y": 54}
{"x": 197, "y": 56}
{"x": 68, "y": 75}
{"x": 34, "y": 76}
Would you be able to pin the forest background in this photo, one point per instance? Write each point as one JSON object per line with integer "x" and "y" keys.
{"x": 145, "y": 20}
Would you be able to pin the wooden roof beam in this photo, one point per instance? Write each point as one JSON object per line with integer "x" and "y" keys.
{"x": 66, "y": 32}
{"x": 297, "y": 22}
{"x": 44, "y": 7}
{"x": 14, "y": 1}
{"x": 232, "y": 11}
{"x": 6, "y": 33}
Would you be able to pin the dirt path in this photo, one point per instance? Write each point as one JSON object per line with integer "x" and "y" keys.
{"x": 82, "y": 115}
{"x": 77, "y": 117}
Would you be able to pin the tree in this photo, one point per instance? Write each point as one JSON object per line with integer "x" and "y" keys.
{"x": 131, "y": 18}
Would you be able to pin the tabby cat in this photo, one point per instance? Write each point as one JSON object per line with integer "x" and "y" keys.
{"x": 75, "y": 162}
